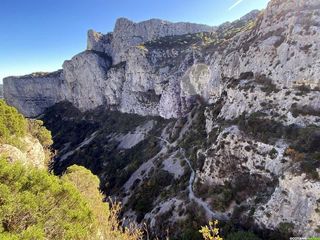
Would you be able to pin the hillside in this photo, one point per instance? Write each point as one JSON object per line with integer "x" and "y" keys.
{"x": 185, "y": 123}
{"x": 35, "y": 204}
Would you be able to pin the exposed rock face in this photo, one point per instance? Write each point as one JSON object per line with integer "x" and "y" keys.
{"x": 32, "y": 153}
{"x": 291, "y": 203}
{"x": 127, "y": 34}
{"x": 250, "y": 153}
{"x": 85, "y": 78}
{"x": 99, "y": 42}
{"x": 158, "y": 67}
{"x": 32, "y": 94}
{"x": 82, "y": 81}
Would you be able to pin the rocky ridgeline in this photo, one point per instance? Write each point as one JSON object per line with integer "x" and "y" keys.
{"x": 156, "y": 67}
{"x": 242, "y": 99}
{"x": 127, "y": 34}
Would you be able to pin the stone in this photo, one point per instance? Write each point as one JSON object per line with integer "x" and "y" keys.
{"x": 85, "y": 78}
{"x": 33, "y": 94}
{"x": 158, "y": 68}
{"x": 32, "y": 153}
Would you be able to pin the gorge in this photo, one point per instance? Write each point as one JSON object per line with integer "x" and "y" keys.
{"x": 185, "y": 121}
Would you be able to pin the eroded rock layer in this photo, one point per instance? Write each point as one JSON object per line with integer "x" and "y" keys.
{"x": 156, "y": 67}
{"x": 182, "y": 121}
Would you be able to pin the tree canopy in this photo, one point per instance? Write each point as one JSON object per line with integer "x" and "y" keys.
{"x": 12, "y": 124}
{"x": 37, "y": 205}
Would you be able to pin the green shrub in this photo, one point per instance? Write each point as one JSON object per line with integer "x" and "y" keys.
{"x": 286, "y": 229}
{"x": 241, "y": 235}
{"x": 105, "y": 218}
{"x": 142, "y": 200}
{"x": 37, "y": 205}
{"x": 267, "y": 84}
{"x": 12, "y": 125}
{"x": 40, "y": 132}
{"x": 304, "y": 111}
{"x": 273, "y": 153}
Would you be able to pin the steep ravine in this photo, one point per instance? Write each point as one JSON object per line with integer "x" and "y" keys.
{"x": 162, "y": 169}
{"x": 196, "y": 122}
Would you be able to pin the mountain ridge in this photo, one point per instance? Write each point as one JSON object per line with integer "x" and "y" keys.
{"x": 96, "y": 44}
{"x": 260, "y": 45}
{"x": 239, "y": 106}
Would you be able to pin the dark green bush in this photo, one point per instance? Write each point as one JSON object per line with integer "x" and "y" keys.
{"x": 142, "y": 200}
{"x": 286, "y": 229}
{"x": 37, "y": 205}
{"x": 12, "y": 125}
{"x": 267, "y": 85}
{"x": 241, "y": 235}
{"x": 40, "y": 132}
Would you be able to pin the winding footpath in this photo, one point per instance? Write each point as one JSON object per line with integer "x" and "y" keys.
{"x": 209, "y": 213}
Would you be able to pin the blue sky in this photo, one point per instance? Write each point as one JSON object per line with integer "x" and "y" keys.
{"x": 38, "y": 35}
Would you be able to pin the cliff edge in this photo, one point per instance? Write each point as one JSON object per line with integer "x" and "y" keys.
{"x": 159, "y": 68}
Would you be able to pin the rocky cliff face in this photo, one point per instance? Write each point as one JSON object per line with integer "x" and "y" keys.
{"x": 156, "y": 67}
{"x": 241, "y": 139}
{"x": 33, "y": 93}
{"x": 127, "y": 34}
{"x": 258, "y": 171}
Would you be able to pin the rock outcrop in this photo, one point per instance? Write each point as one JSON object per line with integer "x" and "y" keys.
{"x": 1, "y": 91}
{"x": 127, "y": 34}
{"x": 32, "y": 152}
{"x": 32, "y": 94}
{"x": 157, "y": 67}
{"x": 243, "y": 103}
{"x": 86, "y": 75}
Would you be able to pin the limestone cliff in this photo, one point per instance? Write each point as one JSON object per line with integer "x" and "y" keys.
{"x": 242, "y": 103}
{"x": 33, "y": 93}
{"x": 156, "y": 67}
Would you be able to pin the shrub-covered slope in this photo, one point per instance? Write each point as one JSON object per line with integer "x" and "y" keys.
{"x": 173, "y": 174}
{"x": 35, "y": 204}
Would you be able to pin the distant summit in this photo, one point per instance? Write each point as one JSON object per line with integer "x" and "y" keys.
{"x": 128, "y": 33}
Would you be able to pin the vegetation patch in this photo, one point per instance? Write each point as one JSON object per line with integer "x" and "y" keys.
{"x": 267, "y": 85}
{"x": 304, "y": 111}
{"x": 142, "y": 200}
{"x": 196, "y": 137}
{"x": 13, "y": 125}
{"x": 305, "y": 141}
{"x": 38, "y": 205}
{"x": 101, "y": 155}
